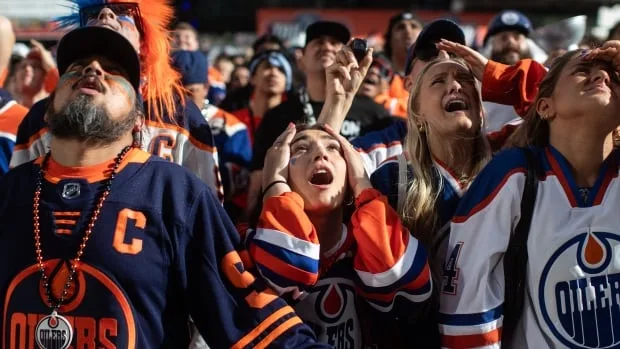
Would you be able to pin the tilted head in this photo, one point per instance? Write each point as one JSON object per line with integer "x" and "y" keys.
{"x": 145, "y": 24}
{"x": 97, "y": 97}
{"x": 317, "y": 170}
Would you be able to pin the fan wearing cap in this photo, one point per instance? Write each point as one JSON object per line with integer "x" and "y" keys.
{"x": 323, "y": 41}
{"x": 172, "y": 129}
{"x": 127, "y": 245}
{"x": 506, "y": 37}
{"x": 403, "y": 30}
{"x": 270, "y": 77}
{"x": 512, "y": 85}
{"x": 229, "y": 133}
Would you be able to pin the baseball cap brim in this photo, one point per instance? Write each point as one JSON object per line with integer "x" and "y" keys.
{"x": 331, "y": 29}
{"x": 99, "y": 42}
{"x": 431, "y": 34}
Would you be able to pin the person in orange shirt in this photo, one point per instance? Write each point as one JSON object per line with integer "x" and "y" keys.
{"x": 376, "y": 86}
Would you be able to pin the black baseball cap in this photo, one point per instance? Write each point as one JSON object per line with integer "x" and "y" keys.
{"x": 403, "y": 16}
{"x": 325, "y": 28}
{"x": 99, "y": 42}
{"x": 424, "y": 47}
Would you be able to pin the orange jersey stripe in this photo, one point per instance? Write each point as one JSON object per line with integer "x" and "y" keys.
{"x": 472, "y": 340}
{"x": 262, "y": 327}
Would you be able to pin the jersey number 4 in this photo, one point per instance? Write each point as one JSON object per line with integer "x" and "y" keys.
{"x": 450, "y": 271}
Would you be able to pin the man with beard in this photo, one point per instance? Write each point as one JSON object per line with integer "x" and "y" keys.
{"x": 506, "y": 42}
{"x": 105, "y": 245}
{"x": 323, "y": 40}
{"x": 173, "y": 129}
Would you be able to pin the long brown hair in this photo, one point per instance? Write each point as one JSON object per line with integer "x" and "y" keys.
{"x": 535, "y": 130}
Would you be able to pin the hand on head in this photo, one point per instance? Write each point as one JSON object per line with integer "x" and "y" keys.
{"x": 278, "y": 157}
{"x": 358, "y": 179}
{"x": 609, "y": 52}
{"x": 476, "y": 61}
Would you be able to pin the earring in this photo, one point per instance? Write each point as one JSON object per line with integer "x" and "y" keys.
{"x": 421, "y": 128}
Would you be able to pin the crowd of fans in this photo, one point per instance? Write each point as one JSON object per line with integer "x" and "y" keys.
{"x": 426, "y": 195}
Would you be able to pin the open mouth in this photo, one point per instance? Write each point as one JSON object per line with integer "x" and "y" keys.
{"x": 321, "y": 176}
{"x": 90, "y": 83}
{"x": 456, "y": 104}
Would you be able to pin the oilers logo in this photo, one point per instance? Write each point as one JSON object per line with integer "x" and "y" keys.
{"x": 579, "y": 291}
{"x": 329, "y": 308}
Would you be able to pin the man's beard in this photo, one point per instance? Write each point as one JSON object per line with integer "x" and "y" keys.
{"x": 82, "y": 120}
{"x": 508, "y": 56}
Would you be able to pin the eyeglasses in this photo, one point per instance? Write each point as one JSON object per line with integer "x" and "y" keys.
{"x": 127, "y": 11}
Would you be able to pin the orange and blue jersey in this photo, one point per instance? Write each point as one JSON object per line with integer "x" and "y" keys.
{"x": 184, "y": 139}
{"x": 235, "y": 153}
{"x": 376, "y": 261}
{"x": 161, "y": 250}
{"x": 11, "y": 115}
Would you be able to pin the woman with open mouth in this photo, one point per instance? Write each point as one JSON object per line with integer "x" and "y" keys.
{"x": 534, "y": 256}
{"x": 331, "y": 264}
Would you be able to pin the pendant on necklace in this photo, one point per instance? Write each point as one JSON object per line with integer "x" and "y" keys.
{"x": 53, "y": 331}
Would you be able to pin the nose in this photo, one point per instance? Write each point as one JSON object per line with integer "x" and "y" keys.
{"x": 106, "y": 14}
{"x": 443, "y": 54}
{"x": 601, "y": 74}
{"x": 321, "y": 153}
{"x": 94, "y": 68}
{"x": 455, "y": 86}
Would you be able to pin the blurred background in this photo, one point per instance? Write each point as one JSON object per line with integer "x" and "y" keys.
{"x": 230, "y": 26}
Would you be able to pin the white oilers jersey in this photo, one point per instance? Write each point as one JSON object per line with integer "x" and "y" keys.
{"x": 573, "y": 272}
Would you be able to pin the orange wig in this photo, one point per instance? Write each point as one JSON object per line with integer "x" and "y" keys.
{"x": 162, "y": 86}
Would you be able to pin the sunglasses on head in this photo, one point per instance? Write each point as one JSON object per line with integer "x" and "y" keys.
{"x": 125, "y": 11}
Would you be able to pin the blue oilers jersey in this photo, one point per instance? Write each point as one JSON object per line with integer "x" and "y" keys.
{"x": 572, "y": 285}
{"x": 162, "y": 249}
{"x": 11, "y": 115}
{"x": 185, "y": 140}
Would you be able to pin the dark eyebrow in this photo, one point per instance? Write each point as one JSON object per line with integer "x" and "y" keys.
{"x": 329, "y": 137}
{"x": 297, "y": 139}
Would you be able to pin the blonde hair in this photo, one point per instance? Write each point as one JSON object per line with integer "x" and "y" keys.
{"x": 420, "y": 211}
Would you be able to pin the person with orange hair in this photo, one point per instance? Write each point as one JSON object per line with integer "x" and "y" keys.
{"x": 172, "y": 129}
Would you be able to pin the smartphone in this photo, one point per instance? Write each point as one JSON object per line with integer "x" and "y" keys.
{"x": 359, "y": 48}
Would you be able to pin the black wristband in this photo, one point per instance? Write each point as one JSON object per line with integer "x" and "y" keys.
{"x": 271, "y": 185}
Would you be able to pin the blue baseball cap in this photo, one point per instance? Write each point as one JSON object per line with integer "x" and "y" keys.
{"x": 509, "y": 20}
{"x": 276, "y": 59}
{"x": 424, "y": 47}
{"x": 192, "y": 65}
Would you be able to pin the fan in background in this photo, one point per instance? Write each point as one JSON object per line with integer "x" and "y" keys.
{"x": 557, "y": 38}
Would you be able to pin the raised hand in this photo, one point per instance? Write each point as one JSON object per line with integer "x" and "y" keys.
{"x": 277, "y": 158}
{"x": 476, "y": 61}
{"x": 358, "y": 180}
{"x": 610, "y": 52}
{"x": 47, "y": 61}
{"x": 346, "y": 75}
